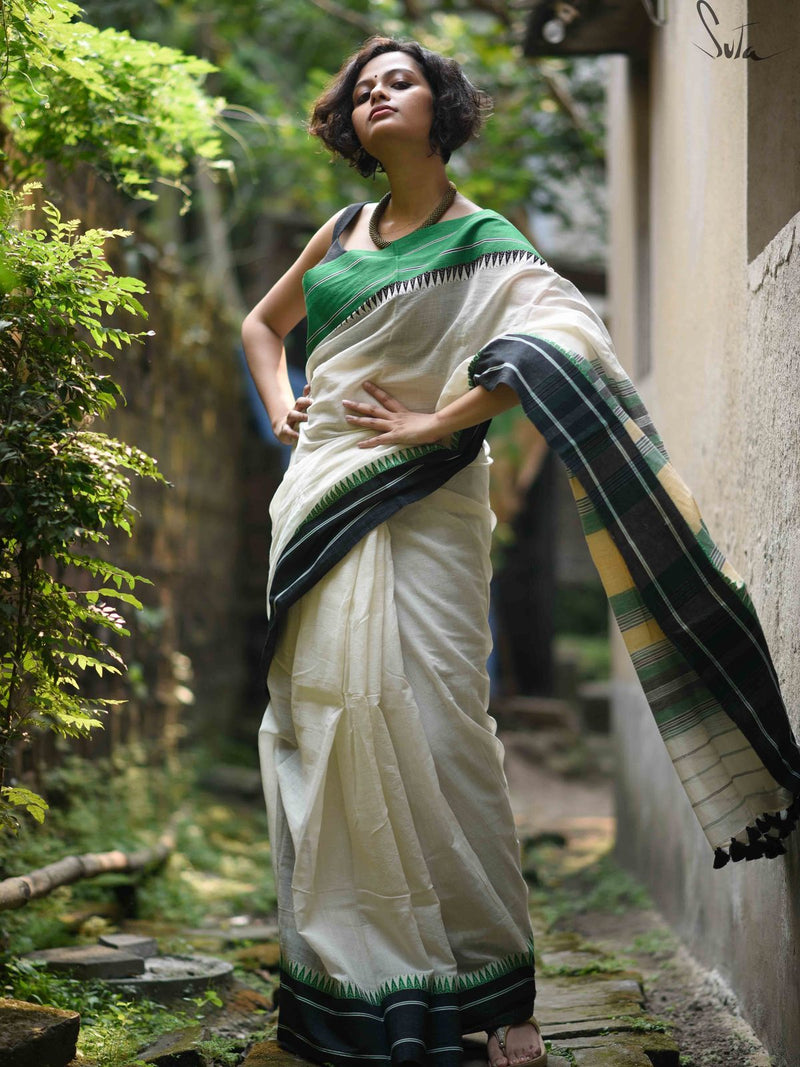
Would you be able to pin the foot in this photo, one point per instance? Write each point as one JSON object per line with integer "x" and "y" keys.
{"x": 523, "y": 1043}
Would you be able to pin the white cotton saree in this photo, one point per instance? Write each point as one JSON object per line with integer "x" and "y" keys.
{"x": 401, "y": 905}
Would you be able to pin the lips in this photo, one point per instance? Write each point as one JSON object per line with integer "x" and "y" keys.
{"x": 380, "y": 109}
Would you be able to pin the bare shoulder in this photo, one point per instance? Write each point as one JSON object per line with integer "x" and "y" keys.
{"x": 320, "y": 241}
{"x": 461, "y": 206}
{"x": 283, "y": 305}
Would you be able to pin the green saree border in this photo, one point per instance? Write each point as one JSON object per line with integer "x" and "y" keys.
{"x": 364, "y": 474}
{"x": 433, "y": 984}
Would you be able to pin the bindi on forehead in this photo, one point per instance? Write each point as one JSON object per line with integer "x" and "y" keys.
{"x": 370, "y": 79}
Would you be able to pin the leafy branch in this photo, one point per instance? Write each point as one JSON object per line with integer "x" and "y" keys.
{"x": 64, "y": 485}
{"x": 134, "y": 109}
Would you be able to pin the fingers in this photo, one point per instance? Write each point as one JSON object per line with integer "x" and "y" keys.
{"x": 388, "y": 437}
{"x": 287, "y": 436}
{"x": 372, "y": 421}
{"x": 385, "y": 399}
{"x": 355, "y": 407}
{"x": 367, "y": 423}
{"x": 298, "y": 412}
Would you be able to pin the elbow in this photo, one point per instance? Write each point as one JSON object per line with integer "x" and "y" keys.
{"x": 255, "y": 330}
{"x": 247, "y": 327}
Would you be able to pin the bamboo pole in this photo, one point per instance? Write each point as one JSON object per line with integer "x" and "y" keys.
{"x": 18, "y": 890}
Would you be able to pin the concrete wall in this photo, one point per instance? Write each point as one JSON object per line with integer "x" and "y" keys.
{"x": 723, "y": 385}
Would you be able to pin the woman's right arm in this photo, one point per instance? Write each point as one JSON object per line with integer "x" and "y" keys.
{"x": 264, "y": 329}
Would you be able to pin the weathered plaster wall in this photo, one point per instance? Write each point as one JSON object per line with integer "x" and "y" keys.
{"x": 724, "y": 392}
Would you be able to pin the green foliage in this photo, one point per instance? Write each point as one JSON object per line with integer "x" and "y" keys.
{"x": 660, "y": 943}
{"x": 64, "y": 485}
{"x": 113, "y": 1028}
{"x": 274, "y": 58}
{"x": 133, "y": 109}
{"x": 581, "y": 608}
{"x": 122, "y": 802}
{"x": 601, "y": 886}
{"x": 602, "y": 965}
{"x": 591, "y": 654}
{"x": 221, "y": 864}
{"x": 111, "y": 802}
{"x": 221, "y": 1051}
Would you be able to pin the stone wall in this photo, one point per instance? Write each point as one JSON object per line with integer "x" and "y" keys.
{"x": 193, "y": 654}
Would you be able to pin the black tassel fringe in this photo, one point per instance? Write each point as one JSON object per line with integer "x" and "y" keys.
{"x": 764, "y": 838}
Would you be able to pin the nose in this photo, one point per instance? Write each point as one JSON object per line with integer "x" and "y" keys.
{"x": 377, "y": 93}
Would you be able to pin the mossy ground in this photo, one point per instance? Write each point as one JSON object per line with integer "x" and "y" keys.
{"x": 581, "y": 893}
{"x": 219, "y": 868}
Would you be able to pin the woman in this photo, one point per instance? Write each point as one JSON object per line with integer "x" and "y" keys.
{"x": 401, "y": 906}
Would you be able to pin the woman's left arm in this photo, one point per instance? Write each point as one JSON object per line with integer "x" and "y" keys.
{"x": 394, "y": 424}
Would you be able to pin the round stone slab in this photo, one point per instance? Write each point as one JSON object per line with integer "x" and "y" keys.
{"x": 173, "y": 976}
{"x": 89, "y": 961}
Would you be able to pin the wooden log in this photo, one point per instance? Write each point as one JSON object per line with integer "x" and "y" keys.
{"x": 19, "y": 889}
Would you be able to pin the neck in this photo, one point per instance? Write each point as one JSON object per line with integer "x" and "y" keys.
{"x": 417, "y": 186}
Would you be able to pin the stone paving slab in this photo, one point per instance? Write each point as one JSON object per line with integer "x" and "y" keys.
{"x": 176, "y": 1049}
{"x": 548, "y": 1014}
{"x": 266, "y": 955}
{"x": 232, "y": 935}
{"x": 134, "y": 943}
{"x": 90, "y": 961}
{"x": 176, "y": 976}
{"x": 571, "y": 961}
{"x": 658, "y": 1049}
{"x": 269, "y": 1054}
{"x": 598, "y": 1019}
{"x": 32, "y": 1035}
{"x": 611, "y": 1056}
{"x": 575, "y": 991}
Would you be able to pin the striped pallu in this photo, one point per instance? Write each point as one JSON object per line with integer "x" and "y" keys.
{"x": 685, "y": 615}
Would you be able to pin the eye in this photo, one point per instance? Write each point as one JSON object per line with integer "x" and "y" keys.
{"x": 401, "y": 85}
{"x": 361, "y": 97}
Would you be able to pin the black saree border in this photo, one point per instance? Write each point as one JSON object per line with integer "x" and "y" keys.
{"x": 355, "y": 508}
{"x": 699, "y": 610}
{"x": 419, "y": 1023}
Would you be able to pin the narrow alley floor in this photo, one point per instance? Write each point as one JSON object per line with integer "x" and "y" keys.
{"x": 615, "y": 988}
{"x": 581, "y": 894}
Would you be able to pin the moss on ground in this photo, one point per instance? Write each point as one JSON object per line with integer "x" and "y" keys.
{"x": 221, "y": 866}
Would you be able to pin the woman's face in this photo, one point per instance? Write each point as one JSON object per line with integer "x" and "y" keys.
{"x": 392, "y": 101}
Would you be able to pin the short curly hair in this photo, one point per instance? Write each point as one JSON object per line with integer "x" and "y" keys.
{"x": 459, "y": 109}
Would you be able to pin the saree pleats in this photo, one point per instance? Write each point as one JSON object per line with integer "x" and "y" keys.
{"x": 400, "y": 866}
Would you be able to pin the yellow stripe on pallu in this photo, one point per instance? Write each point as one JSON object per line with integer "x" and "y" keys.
{"x": 735, "y": 778}
{"x": 683, "y": 499}
{"x": 616, "y": 578}
{"x": 675, "y": 487}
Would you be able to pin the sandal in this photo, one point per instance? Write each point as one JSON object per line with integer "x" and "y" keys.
{"x": 501, "y": 1032}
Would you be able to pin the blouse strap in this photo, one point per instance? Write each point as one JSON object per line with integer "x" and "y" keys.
{"x": 346, "y": 218}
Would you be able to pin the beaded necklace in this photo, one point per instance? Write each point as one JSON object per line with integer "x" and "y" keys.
{"x": 434, "y": 216}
